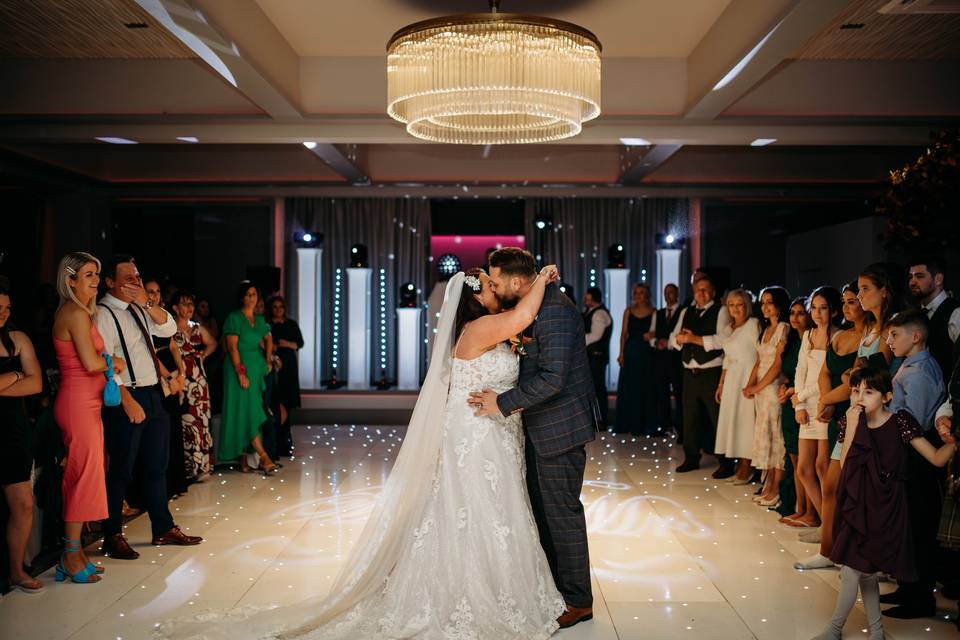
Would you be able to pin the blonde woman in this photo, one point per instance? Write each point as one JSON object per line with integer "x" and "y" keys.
{"x": 79, "y": 349}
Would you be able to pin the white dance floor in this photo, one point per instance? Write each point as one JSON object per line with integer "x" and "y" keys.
{"x": 672, "y": 556}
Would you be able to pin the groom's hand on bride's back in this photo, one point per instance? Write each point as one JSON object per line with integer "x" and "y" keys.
{"x": 484, "y": 403}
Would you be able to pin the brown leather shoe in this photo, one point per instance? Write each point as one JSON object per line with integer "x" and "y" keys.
{"x": 117, "y": 547}
{"x": 573, "y": 615}
{"x": 175, "y": 536}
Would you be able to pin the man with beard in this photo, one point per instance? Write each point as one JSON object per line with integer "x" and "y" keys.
{"x": 943, "y": 312}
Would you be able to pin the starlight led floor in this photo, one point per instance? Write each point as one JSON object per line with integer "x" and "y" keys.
{"x": 672, "y": 556}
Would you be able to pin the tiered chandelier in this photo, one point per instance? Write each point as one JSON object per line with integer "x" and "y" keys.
{"x": 493, "y": 78}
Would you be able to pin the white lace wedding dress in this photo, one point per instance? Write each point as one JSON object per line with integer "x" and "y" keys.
{"x": 451, "y": 551}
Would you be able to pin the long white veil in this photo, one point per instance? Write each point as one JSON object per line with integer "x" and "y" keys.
{"x": 396, "y": 513}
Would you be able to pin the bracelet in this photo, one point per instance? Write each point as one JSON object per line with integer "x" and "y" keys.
{"x": 241, "y": 370}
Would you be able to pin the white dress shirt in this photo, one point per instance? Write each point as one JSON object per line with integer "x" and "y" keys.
{"x": 710, "y": 343}
{"x": 141, "y": 360}
{"x": 599, "y": 322}
{"x": 672, "y": 308}
{"x": 953, "y": 323}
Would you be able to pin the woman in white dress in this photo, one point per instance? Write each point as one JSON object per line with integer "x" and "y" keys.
{"x": 813, "y": 459}
{"x": 451, "y": 549}
{"x": 737, "y": 415}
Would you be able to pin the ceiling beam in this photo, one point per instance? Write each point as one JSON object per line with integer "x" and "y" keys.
{"x": 650, "y": 162}
{"x": 728, "y": 63}
{"x": 337, "y": 161}
{"x": 238, "y": 43}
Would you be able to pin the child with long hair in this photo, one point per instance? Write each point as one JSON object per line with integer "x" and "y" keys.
{"x": 871, "y": 529}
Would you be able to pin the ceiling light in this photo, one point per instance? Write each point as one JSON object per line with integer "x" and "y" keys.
{"x": 310, "y": 144}
{"x": 493, "y": 78}
{"x": 762, "y": 142}
{"x": 635, "y": 142}
{"x": 113, "y": 140}
{"x": 190, "y": 139}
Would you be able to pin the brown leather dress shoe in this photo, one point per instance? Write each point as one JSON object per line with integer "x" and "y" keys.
{"x": 117, "y": 547}
{"x": 573, "y": 615}
{"x": 175, "y": 536}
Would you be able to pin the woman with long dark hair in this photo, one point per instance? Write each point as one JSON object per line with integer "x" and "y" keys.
{"x": 800, "y": 323}
{"x": 288, "y": 340}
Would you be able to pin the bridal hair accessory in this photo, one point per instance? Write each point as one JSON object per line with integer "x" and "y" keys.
{"x": 71, "y": 270}
{"x": 473, "y": 282}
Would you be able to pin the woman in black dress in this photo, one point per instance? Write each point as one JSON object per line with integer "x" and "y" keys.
{"x": 288, "y": 340}
{"x": 20, "y": 376}
{"x": 636, "y": 399}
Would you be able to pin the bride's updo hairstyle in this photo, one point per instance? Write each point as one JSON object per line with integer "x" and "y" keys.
{"x": 470, "y": 308}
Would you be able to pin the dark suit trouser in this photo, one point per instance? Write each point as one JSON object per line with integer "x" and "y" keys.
{"x": 598, "y": 369}
{"x": 554, "y": 485}
{"x": 142, "y": 448}
{"x": 661, "y": 384}
{"x": 924, "y": 500}
{"x": 700, "y": 410}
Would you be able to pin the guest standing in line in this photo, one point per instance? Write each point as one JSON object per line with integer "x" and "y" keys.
{"x": 191, "y": 345}
{"x": 598, "y": 326}
{"x": 699, "y": 336}
{"x": 800, "y": 323}
{"x": 20, "y": 376}
{"x": 834, "y": 402}
{"x": 814, "y": 458}
{"x": 879, "y": 296}
{"x": 636, "y": 404}
{"x": 138, "y": 431}
{"x": 203, "y": 315}
{"x": 287, "y": 339}
{"x": 667, "y": 366}
{"x": 943, "y": 312}
{"x": 250, "y": 351}
{"x": 735, "y": 421}
{"x": 769, "y": 451}
{"x": 80, "y": 352}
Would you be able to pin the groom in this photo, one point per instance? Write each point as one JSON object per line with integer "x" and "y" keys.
{"x": 555, "y": 393}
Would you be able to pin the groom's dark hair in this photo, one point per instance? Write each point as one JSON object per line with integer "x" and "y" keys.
{"x": 513, "y": 261}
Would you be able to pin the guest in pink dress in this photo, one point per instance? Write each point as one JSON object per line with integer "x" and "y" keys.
{"x": 79, "y": 349}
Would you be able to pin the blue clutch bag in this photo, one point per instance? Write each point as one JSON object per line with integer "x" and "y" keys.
{"x": 111, "y": 391}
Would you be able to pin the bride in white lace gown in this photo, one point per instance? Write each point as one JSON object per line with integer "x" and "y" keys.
{"x": 451, "y": 550}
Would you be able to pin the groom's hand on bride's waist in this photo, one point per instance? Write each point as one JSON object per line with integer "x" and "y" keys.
{"x": 484, "y": 403}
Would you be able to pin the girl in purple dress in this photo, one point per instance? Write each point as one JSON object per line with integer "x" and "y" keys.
{"x": 871, "y": 528}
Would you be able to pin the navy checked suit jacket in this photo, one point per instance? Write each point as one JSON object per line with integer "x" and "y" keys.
{"x": 555, "y": 390}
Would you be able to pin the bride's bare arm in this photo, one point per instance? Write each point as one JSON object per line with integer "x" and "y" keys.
{"x": 487, "y": 331}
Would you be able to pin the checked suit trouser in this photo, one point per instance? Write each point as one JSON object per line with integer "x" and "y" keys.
{"x": 554, "y": 486}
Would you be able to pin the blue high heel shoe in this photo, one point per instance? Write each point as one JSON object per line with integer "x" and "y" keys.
{"x": 81, "y": 577}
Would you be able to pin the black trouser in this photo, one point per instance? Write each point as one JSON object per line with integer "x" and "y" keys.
{"x": 144, "y": 448}
{"x": 554, "y": 485}
{"x": 924, "y": 501}
{"x": 662, "y": 364}
{"x": 598, "y": 369}
{"x": 700, "y": 411}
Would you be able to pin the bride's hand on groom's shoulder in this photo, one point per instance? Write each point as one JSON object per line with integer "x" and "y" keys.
{"x": 551, "y": 273}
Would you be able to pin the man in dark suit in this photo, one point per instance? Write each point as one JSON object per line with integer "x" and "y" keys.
{"x": 555, "y": 393}
{"x": 598, "y": 326}
{"x": 668, "y": 367}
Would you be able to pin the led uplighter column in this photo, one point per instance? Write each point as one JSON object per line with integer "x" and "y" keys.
{"x": 358, "y": 328}
{"x": 408, "y": 347}
{"x": 668, "y": 271}
{"x": 617, "y": 290}
{"x": 308, "y": 315}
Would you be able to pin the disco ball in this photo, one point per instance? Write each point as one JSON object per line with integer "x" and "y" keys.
{"x": 448, "y": 264}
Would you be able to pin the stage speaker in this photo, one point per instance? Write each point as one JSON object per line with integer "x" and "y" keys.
{"x": 266, "y": 278}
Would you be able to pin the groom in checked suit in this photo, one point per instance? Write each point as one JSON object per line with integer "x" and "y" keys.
{"x": 555, "y": 393}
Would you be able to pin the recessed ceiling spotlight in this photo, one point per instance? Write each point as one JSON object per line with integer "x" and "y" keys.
{"x": 635, "y": 142}
{"x": 187, "y": 139}
{"x": 762, "y": 142}
{"x": 136, "y": 25}
{"x": 113, "y": 140}
{"x": 310, "y": 144}
{"x": 852, "y": 25}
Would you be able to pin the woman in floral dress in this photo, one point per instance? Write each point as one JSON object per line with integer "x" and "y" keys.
{"x": 191, "y": 345}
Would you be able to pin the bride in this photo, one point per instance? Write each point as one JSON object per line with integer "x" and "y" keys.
{"x": 451, "y": 549}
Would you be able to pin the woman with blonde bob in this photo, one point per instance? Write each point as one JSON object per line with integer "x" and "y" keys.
{"x": 83, "y": 363}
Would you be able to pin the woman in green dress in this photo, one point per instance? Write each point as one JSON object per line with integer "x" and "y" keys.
{"x": 250, "y": 351}
{"x": 790, "y": 485}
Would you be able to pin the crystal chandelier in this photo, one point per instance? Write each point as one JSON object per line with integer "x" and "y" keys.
{"x": 493, "y": 78}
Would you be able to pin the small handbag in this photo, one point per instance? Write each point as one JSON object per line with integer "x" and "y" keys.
{"x": 111, "y": 391}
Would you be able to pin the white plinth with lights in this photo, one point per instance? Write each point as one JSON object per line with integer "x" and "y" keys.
{"x": 668, "y": 272}
{"x": 358, "y": 328}
{"x": 617, "y": 290}
{"x": 409, "y": 324}
{"x": 309, "y": 265}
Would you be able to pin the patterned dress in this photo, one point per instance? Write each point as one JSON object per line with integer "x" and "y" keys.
{"x": 768, "y": 446}
{"x": 195, "y": 404}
